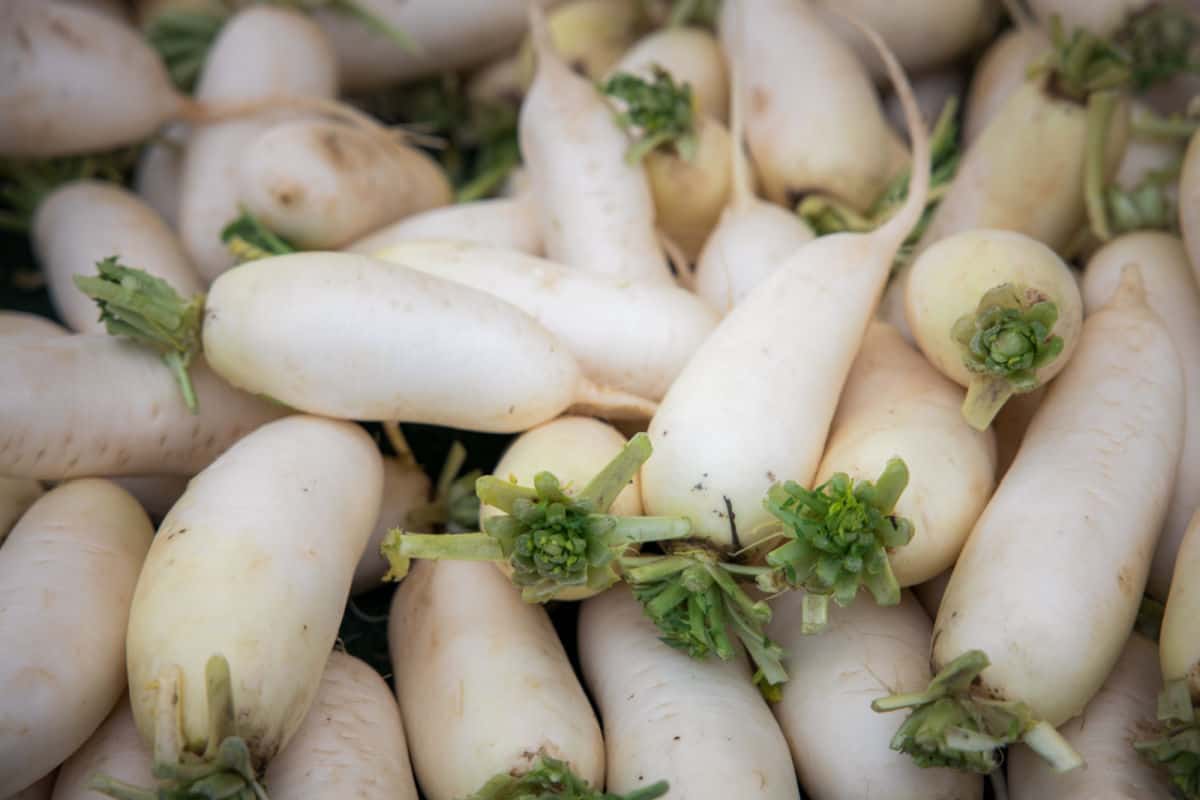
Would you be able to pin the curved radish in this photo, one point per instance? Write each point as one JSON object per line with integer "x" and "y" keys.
{"x": 1046, "y": 590}
{"x": 630, "y": 336}
{"x": 405, "y": 490}
{"x": 351, "y": 743}
{"x": 701, "y": 726}
{"x": 597, "y": 213}
{"x": 21, "y": 323}
{"x": 86, "y": 221}
{"x": 1172, "y": 294}
{"x": 321, "y": 185}
{"x": 89, "y": 405}
{"x": 502, "y": 222}
{"x": 67, "y": 574}
{"x": 468, "y": 717}
{"x": 115, "y": 750}
{"x": 840, "y": 746}
{"x": 1000, "y": 73}
{"x": 693, "y": 56}
{"x": 240, "y": 598}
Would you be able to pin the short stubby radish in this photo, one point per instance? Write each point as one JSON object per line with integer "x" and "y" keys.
{"x": 484, "y": 685}
{"x": 1172, "y": 293}
{"x": 702, "y": 727}
{"x": 692, "y": 56}
{"x": 115, "y": 753}
{"x": 1102, "y": 736}
{"x": 995, "y": 311}
{"x": 321, "y": 185}
{"x": 239, "y": 601}
{"x": 84, "y": 222}
{"x": 502, "y": 222}
{"x": 1046, "y": 590}
{"x": 1002, "y": 70}
{"x": 405, "y": 491}
{"x": 67, "y": 574}
{"x": 596, "y": 207}
{"x": 630, "y": 336}
{"x": 351, "y": 743}
{"x": 839, "y": 745}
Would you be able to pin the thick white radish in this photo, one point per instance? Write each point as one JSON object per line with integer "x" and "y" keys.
{"x": 1172, "y": 293}
{"x": 23, "y": 323}
{"x": 839, "y": 745}
{"x": 976, "y": 303}
{"x": 895, "y": 404}
{"x": 1189, "y": 203}
{"x": 754, "y": 403}
{"x": 999, "y": 74}
{"x": 321, "y": 185}
{"x": 813, "y": 121}
{"x": 405, "y": 489}
{"x": 692, "y": 56}
{"x": 631, "y": 336}
{"x": 253, "y": 564}
{"x": 1178, "y": 645}
{"x": 700, "y": 725}
{"x": 503, "y": 222}
{"x": 158, "y": 178}
{"x": 155, "y": 493}
{"x": 84, "y": 222}
{"x": 67, "y": 574}
{"x": 1101, "y": 17}
{"x": 259, "y": 53}
{"x": 1102, "y": 734}
{"x": 348, "y": 336}
{"x": 16, "y": 496}
{"x": 90, "y": 405}
{"x": 115, "y": 750}
{"x": 350, "y": 745}
{"x": 484, "y": 684}
{"x": 596, "y": 209}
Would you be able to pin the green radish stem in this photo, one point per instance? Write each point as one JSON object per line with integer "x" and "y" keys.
{"x": 146, "y": 309}
{"x": 1004, "y": 343}
{"x": 1178, "y": 748}
{"x": 248, "y": 239}
{"x": 550, "y": 778}
{"x": 551, "y": 540}
{"x": 950, "y": 728}
{"x": 658, "y": 113}
{"x": 455, "y": 505}
{"x": 1160, "y": 43}
{"x": 838, "y": 536}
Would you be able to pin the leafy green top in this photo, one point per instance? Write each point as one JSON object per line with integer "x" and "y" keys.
{"x": 551, "y": 779}
{"x": 658, "y": 113}
{"x": 1009, "y": 337}
{"x": 1177, "y": 749}
{"x": 25, "y": 183}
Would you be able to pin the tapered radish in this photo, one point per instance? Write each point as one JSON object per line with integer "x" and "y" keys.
{"x": 502, "y": 222}
{"x": 1001, "y": 72}
{"x": 67, "y": 574}
{"x": 89, "y": 405}
{"x": 813, "y": 121}
{"x": 321, "y": 185}
{"x": 405, "y": 490}
{"x": 895, "y": 404}
{"x": 597, "y": 213}
{"x": 693, "y": 56}
{"x": 1189, "y": 203}
{"x": 115, "y": 750}
{"x": 155, "y": 493}
{"x": 840, "y": 746}
{"x": 1022, "y": 642}
{"x": 470, "y": 718}
{"x": 240, "y": 598}
{"x": 701, "y": 726}
{"x": 21, "y": 323}
{"x": 995, "y": 311}
{"x": 86, "y": 221}
{"x": 16, "y": 496}
{"x": 1102, "y": 735}
{"x": 351, "y": 743}
{"x": 1172, "y": 293}
{"x": 629, "y": 336}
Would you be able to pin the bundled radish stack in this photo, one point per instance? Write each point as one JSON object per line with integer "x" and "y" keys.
{"x": 599, "y": 400}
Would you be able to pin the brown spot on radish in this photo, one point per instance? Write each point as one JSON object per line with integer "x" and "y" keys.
{"x": 1125, "y": 581}
{"x": 288, "y": 194}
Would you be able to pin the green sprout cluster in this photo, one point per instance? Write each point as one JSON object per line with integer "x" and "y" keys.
{"x": 658, "y": 112}
{"x": 552, "y": 779}
{"x": 248, "y": 239}
{"x": 1178, "y": 748}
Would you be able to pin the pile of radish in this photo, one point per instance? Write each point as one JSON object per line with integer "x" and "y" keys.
{"x": 599, "y": 399}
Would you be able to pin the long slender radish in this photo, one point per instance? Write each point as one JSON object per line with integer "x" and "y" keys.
{"x": 995, "y": 311}
{"x": 701, "y": 726}
{"x": 86, "y": 221}
{"x": 1172, "y": 293}
{"x": 115, "y": 750}
{"x": 840, "y": 746}
{"x": 1046, "y": 590}
{"x": 693, "y": 56}
{"x": 22, "y": 323}
{"x": 1189, "y": 203}
{"x": 351, "y": 743}
{"x": 405, "y": 490}
{"x": 240, "y": 598}
{"x": 1102, "y": 735}
{"x": 484, "y": 685}
{"x": 502, "y": 222}
{"x": 321, "y": 184}
{"x": 895, "y": 404}
{"x": 813, "y": 121}
{"x": 89, "y": 405}
{"x": 597, "y": 212}
{"x": 67, "y": 574}
{"x": 1000, "y": 73}
{"x": 630, "y": 336}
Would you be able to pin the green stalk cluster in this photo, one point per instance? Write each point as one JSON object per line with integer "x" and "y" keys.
{"x": 1177, "y": 749}
{"x": 658, "y": 113}
{"x": 552, "y": 779}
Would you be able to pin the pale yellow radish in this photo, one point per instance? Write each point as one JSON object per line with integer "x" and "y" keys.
{"x": 589, "y": 35}
{"x": 1179, "y": 648}
{"x": 692, "y": 56}
{"x": 1002, "y": 70}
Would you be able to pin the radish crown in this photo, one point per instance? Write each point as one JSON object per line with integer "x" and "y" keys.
{"x": 248, "y": 239}
{"x": 1178, "y": 748}
{"x": 657, "y": 113}
{"x": 1004, "y": 342}
{"x": 839, "y": 536}
{"x": 146, "y": 309}
{"x": 949, "y": 727}
{"x": 551, "y": 779}
{"x": 25, "y": 183}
